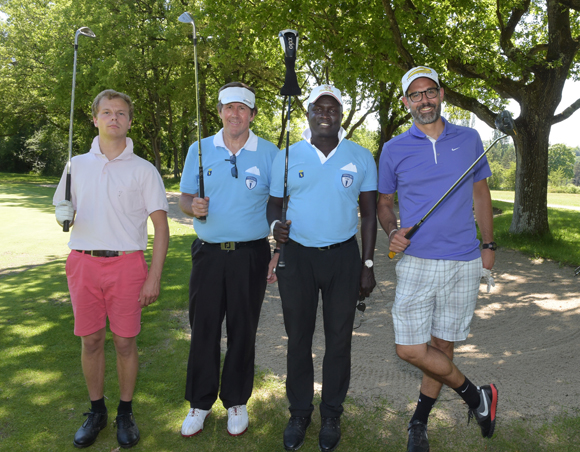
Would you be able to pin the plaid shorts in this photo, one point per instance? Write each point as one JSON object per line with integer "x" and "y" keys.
{"x": 434, "y": 298}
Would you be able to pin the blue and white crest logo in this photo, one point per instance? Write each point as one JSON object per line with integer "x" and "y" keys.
{"x": 300, "y": 174}
{"x": 209, "y": 172}
{"x": 347, "y": 180}
{"x": 251, "y": 182}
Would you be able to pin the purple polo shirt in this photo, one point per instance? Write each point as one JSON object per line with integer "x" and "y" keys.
{"x": 421, "y": 172}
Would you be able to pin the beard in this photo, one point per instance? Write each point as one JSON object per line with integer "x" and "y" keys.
{"x": 426, "y": 118}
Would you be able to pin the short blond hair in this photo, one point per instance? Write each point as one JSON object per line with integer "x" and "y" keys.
{"x": 111, "y": 94}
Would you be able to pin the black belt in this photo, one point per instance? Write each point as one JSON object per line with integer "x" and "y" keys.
{"x": 328, "y": 247}
{"x": 232, "y": 246}
{"x": 104, "y": 253}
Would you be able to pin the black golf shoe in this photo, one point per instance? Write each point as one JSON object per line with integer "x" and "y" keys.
{"x": 127, "y": 430}
{"x": 295, "y": 432}
{"x": 87, "y": 434}
{"x": 329, "y": 436}
{"x": 418, "y": 441}
{"x": 484, "y": 414}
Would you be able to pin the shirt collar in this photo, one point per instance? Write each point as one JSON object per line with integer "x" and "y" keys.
{"x": 126, "y": 154}
{"x": 251, "y": 143}
{"x": 307, "y": 135}
{"x": 448, "y": 129}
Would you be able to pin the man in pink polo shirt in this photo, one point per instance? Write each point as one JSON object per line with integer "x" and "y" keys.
{"x": 113, "y": 192}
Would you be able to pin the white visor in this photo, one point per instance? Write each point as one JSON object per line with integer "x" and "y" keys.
{"x": 237, "y": 94}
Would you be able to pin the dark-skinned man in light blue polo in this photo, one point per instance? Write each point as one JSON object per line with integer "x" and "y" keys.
{"x": 329, "y": 179}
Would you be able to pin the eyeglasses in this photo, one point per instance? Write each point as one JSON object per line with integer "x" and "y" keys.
{"x": 417, "y": 96}
{"x": 232, "y": 160}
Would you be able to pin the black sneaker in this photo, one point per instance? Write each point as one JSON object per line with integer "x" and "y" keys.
{"x": 295, "y": 432}
{"x": 87, "y": 434}
{"x": 329, "y": 436}
{"x": 418, "y": 441}
{"x": 127, "y": 431}
{"x": 484, "y": 414}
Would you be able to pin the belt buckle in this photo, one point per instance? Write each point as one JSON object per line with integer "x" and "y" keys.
{"x": 228, "y": 246}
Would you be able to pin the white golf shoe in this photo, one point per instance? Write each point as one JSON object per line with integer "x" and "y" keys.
{"x": 193, "y": 423}
{"x": 237, "y": 420}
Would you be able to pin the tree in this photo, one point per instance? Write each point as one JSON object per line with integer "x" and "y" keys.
{"x": 488, "y": 52}
{"x": 561, "y": 158}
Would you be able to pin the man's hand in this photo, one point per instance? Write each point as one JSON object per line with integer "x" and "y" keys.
{"x": 398, "y": 242}
{"x": 367, "y": 282}
{"x": 149, "y": 291}
{"x": 200, "y": 206}
{"x": 64, "y": 211}
{"x": 272, "y": 278}
{"x": 282, "y": 231}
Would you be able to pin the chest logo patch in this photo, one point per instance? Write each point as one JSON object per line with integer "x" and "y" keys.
{"x": 209, "y": 171}
{"x": 347, "y": 180}
{"x": 300, "y": 174}
{"x": 251, "y": 182}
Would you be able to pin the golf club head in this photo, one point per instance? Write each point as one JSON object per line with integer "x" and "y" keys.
{"x": 577, "y": 271}
{"x": 86, "y": 31}
{"x": 185, "y": 18}
{"x": 505, "y": 123}
{"x": 289, "y": 42}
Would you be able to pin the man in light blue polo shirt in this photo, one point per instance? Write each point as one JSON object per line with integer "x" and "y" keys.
{"x": 328, "y": 178}
{"x": 438, "y": 277}
{"x": 229, "y": 259}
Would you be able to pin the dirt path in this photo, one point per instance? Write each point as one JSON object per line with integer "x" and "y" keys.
{"x": 525, "y": 338}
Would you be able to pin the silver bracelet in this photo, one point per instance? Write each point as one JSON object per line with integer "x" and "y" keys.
{"x": 391, "y": 233}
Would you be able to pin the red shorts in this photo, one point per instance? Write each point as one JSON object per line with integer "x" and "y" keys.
{"x": 102, "y": 287}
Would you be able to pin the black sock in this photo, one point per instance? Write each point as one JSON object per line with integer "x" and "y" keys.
{"x": 125, "y": 407}
{"x": 98, "y": 406}
{"x": 424, "y": 406}
{"x": 469, "y": 393}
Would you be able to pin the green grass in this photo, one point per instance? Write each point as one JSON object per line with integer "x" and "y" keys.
{"x": 558, "y": 199}
{"x": 561, "y": 245}
{"x": 43, "y": 394}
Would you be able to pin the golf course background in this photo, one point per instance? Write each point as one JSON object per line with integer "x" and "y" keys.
{"x": 42, "y": 391}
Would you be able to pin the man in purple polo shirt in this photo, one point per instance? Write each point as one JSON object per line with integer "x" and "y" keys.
{"x": 438, "y": 277}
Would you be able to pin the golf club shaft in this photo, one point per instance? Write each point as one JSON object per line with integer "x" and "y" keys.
{"x": 414, "y": 229}
{"x": 67, "y": 196}
{"x": 201, "y": 184}
{"x": 282, "y": 260}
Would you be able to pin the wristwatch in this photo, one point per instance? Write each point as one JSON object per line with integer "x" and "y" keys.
{"x": 369, "y": 263}
{"x": 491, "y": 246}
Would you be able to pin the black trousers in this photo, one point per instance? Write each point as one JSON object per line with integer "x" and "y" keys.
{"x": 336, "y": 273}
{"x": 230, "y": 284}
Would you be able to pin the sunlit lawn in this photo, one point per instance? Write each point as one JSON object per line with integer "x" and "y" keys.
{"x": 559, "y": 199}
{"x": 43, "y": 394}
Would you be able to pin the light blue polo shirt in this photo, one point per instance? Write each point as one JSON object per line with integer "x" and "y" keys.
{"x": 237, "y": 207}
{"x": 421, "y": 172}
{"x": 324, "y": 191}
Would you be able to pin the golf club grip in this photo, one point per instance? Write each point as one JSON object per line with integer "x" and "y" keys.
{"x": 408, "y": 236}
{"x": 201, "y": 189}
{"x": 66, "y": 224}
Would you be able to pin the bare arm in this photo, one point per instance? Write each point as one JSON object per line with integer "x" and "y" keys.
{"x": 484, "y": 218}
{"x": 368, "y": 215}
{"x": 388, "y": 219}
{"x": 150, "y": 290}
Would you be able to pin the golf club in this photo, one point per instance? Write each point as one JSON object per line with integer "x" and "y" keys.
{"x": 85, "y": 31}
{"x": 289, "y": 43}
{"x": 187, "y": 19}
{"x": 504, "y": 124}
{"x": 577, "y": 271}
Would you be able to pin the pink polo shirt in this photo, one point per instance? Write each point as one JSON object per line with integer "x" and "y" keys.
{"x": 112, "y": 199}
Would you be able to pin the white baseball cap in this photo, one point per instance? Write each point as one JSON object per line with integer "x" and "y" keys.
{"x": 237, "y": 94}
{"x": 418, "y": 72}
{"x": 324, "y": 90}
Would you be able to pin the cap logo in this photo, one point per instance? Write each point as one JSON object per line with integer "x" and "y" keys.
{"x": 421, "y": 70}
{"x": 327, "y": 88}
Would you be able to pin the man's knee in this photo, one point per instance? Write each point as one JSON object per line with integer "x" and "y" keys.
{"x": 412, "y": 353}
{"x": 443, "y": 345}
{"x": 93, "y": 343}
{"x": 125, "y": 346}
